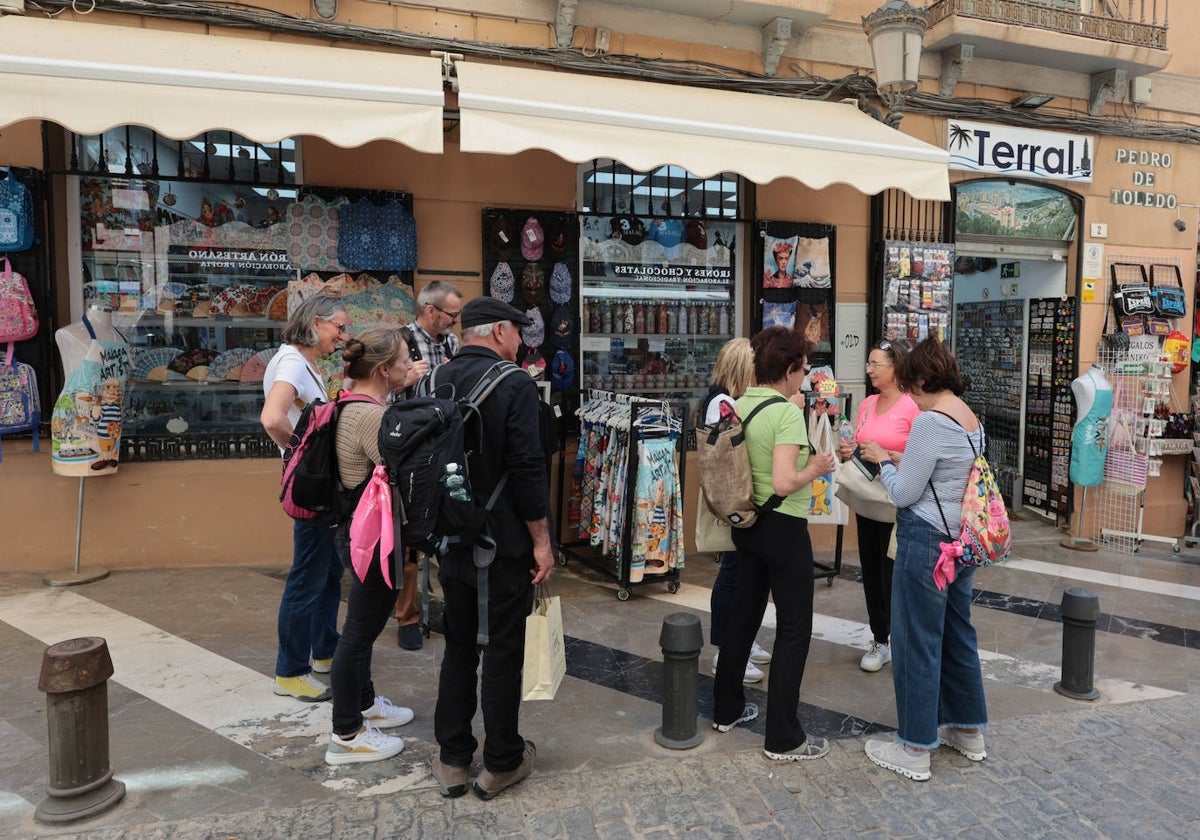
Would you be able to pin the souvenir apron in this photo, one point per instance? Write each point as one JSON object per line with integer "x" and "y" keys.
{"x": 1089, "y": 440}
{"x": 85, "y": 428}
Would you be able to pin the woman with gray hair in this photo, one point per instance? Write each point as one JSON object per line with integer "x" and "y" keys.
{"x": 309, "y": 608}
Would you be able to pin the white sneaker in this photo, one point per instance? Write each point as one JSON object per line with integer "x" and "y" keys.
{"x": 368, "y": 745}
{"x": 760, "y": 655}
{"x": 751, "y": 676}
{"x": 384, "y": 714}
{"x": 876, "y": 657}
{"x": 893, "y": 756}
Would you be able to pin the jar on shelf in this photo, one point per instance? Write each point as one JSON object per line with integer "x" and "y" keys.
{"x": 639, "y": 317}
{"x": 661, "y": 325}
{"x": 723, "y": 319}
{"x": 629, "y": 317}
{"x": 682, "y": 314}
{"x": 606, "y": 319}
{"x": 693, "y": 319}
{"x": 672, "y": 319}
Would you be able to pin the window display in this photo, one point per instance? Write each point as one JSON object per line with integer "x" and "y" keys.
{"x": 201, "y": 275}
{"x": 797, "y": 264}
{"x": 917, "y": 293}
{"x": 657, "y": 303}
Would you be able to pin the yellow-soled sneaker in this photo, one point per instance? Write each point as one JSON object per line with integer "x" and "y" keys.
{"x": 305, "y": 688}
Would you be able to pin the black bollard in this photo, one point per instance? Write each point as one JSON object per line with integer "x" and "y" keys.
{"x": 681, "y": 639}
{"x": 75, "y": 679}
{"x": 1080, "y": 609}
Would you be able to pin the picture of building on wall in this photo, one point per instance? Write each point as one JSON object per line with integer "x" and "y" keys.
{"x": 1014, "y": 211}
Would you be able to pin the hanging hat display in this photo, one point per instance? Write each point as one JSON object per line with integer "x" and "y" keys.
{"x": 502, "y": 286}
{"x": 534, "y": 335}
{"x": 533, "y": 284}
{"x": 560, "y": 283}
{"x": 532, "y": 239}
{"x": 534, "y": 364}
{"x": 500, "y": 240}
{"x": 561, "y": 327}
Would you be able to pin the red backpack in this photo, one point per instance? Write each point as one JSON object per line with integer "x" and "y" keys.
{"x": 309, "y": 488}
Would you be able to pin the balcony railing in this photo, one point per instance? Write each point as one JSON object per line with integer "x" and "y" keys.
{"x": 1139, "y": 26}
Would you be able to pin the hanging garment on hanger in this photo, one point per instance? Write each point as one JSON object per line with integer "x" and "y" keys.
{"x": 85, "y": 427}
{"x": 654, "y": 522}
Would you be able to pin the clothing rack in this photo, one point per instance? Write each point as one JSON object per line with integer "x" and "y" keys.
{"x": 628, "y": 408}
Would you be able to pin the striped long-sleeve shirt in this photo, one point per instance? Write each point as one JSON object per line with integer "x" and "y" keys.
{"x": 938, "y": 450}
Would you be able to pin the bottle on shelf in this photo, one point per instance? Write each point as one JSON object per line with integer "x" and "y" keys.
{"x": 723, "y": 320}
{"x": 456, "y": 483}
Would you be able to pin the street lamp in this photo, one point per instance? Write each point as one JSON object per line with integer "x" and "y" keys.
{"x": 896, "y": 32}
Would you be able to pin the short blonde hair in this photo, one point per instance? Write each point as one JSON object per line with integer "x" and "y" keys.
{"x": 734, "y": 370}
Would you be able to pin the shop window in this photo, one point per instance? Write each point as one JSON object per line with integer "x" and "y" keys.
{"x": 199, "y": 248}
{"x": 609, "y": 187}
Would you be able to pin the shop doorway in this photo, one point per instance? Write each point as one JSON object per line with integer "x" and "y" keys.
{"x": 1014, "y": 334}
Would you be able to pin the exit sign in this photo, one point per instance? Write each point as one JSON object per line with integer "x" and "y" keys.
{"x": 1010, "y": 270}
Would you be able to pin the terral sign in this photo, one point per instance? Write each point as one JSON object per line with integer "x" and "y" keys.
{"x": 1019, "y": 152}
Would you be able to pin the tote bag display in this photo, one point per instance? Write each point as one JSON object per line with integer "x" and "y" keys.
{"x": 545, "y": 650}
{"x": 827, "y": 508}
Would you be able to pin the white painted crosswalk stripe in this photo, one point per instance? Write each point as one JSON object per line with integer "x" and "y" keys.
{"x": 1102, "y": 578}
{"x": 996, "y": 666}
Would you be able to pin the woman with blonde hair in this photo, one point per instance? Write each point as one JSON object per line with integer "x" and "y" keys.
{"x": 377, "y": 362}
{"x": 733, "y": 373}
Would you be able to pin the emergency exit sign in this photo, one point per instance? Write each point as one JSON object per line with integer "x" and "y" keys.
{"x": 1010, "y": 270}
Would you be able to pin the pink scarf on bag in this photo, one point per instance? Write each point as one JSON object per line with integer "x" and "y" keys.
{"x": 372, "y": 526}
{"x": 944, "y": 568}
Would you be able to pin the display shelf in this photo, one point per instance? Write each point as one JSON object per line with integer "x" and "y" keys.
{"x": 1048, "y": 405}
{"x": 715, "y": 336}
{"x": 152, "y": 319}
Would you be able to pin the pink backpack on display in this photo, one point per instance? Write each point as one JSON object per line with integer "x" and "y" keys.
{"x": 18, "y": 318}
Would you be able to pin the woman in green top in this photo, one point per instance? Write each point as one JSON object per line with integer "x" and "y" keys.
{"x": 775, "y": 554}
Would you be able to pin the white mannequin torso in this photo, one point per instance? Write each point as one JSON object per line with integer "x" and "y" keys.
{"x": 74, "y": 340}
{"x": 1085, "y": 387}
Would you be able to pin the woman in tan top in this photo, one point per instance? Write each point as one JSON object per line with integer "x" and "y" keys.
{"x": 377, "y": 362}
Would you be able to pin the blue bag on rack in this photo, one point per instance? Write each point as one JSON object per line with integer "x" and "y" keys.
{"x": 1169, "y": 299}
{"x": 16, "y": 215}
{"x": 20, "y": 405}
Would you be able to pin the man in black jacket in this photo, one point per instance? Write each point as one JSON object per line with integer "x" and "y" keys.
{"x": 519, "y": 525}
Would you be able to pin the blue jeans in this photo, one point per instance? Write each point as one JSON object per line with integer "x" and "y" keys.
{"x": 721, "y": 602}
{"x": 309, "y": 608}
{"x": 935, "y": 655}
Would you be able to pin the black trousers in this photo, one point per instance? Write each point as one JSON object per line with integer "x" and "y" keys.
{"x": 368, "y": 609}
{"x": 510, "y": 600}
{"x": 873, "y": 539}
{"x": 774, "y": 557}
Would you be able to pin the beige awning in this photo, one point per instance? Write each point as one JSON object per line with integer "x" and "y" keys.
{"x": 90, "y": 77}
{"x": 644, "y": 125}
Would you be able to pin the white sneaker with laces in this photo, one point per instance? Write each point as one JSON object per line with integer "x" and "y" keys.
{"x": 751, "y": 676}
{"x": 876, "y": 657}
{"x": 760, "y": 655}
{"x": 368, "y": 745}
{"x": 384, "y": 714}
{"x": 893, "y": 756}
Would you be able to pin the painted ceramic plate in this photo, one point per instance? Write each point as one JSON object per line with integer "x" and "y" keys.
{"x": 255, "y": 367}
{"x": 146, "y": 359}
{"x": 222, "y": 366}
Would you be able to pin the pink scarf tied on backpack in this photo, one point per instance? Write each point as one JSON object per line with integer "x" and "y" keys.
{"x": 372, "y": 526}
{"x": 945, "y": 567}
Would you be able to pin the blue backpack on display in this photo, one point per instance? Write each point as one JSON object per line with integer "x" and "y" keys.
{"x": 16, "y": 215}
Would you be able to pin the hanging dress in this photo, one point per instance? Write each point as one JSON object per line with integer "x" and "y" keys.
{"x": 85, "y": 426}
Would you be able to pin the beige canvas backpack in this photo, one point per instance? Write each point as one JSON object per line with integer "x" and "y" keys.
{"x": 726, "y": 485}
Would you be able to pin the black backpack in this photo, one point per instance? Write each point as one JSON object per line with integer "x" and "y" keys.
{"x": 417, "y": 438}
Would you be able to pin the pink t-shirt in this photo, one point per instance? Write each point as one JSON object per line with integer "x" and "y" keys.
{"x": 889, "y": 430}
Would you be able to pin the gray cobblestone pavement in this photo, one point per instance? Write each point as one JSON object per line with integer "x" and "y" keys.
{"x": 1126, "y": 771}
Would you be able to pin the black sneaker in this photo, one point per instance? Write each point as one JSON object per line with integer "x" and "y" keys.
{"x": 409, "y": 637}
{"x": 452, "y": 781}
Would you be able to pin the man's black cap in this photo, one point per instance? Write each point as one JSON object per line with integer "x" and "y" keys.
{"x": 488, "y": 310}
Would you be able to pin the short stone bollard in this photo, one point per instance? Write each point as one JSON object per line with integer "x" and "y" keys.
{"x": 75, "y": 679}
{"x": 1080, "y": 610}
{"x": 681, "y": 640}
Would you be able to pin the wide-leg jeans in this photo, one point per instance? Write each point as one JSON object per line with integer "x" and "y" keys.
{"x": 935, "y": 654}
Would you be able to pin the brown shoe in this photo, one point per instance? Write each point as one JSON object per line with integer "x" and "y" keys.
{"x": 452, "y": 781}
{"x": 489, "y": 784}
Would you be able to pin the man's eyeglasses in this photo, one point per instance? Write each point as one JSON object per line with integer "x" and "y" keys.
{"x": 453, "y": 316}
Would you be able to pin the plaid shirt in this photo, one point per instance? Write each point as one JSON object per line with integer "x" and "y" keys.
{"x": 432, "y": 350}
